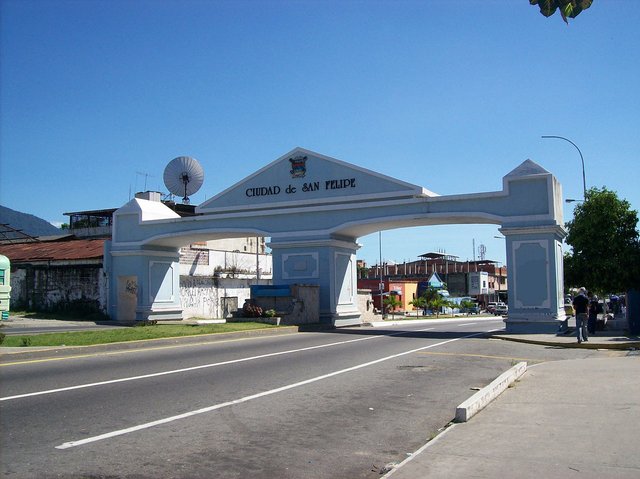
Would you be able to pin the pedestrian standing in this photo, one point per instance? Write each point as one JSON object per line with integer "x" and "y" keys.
{"x": 593, "y": 313}
{"x": 581, "y": 306}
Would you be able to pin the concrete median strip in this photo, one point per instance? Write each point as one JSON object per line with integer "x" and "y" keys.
{"x": 479, "y": 400}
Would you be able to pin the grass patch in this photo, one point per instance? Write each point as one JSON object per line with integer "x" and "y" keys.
{"x": 158, "y": 331}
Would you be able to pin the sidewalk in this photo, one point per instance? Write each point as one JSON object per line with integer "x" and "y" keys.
{"x": 563, "y": 419}
{"x": 601, "y": 340}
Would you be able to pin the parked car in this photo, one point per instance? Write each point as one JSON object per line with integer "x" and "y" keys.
{"x": 501, "y": 309}
{"x": 491, "y": 307}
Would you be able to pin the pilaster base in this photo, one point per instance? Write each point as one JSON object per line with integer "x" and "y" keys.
{"x": 156, "y": 314}
{"x": 533, "y": 323}
{"x": 342, "y": 319}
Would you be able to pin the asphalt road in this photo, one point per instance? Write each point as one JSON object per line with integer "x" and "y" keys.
{"x": 18, "y": 326}
{"x": 338, "y": 404}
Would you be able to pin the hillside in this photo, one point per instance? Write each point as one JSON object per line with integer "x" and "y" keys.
{"x": 29, "y": 224}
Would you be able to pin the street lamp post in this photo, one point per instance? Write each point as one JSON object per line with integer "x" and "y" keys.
{"x": 584, "y": 180}
{"x": 381, "y": 284}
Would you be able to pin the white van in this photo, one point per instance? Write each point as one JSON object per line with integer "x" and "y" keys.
{"x": 501, "y": 309}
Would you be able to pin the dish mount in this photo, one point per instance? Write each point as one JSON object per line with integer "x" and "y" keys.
{"x": 183, "y": 176}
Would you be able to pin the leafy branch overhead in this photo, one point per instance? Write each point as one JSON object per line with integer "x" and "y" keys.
{"x": 568, "y": 8}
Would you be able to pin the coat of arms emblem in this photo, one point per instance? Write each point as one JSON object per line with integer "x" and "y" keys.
{"x": 298, "y": 166}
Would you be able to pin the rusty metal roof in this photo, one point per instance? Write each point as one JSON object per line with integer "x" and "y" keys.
{"x": 70, "y": 249}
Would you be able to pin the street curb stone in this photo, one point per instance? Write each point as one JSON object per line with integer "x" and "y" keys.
{"x": 47, "y": 352}
{"x": 479, "y": 400}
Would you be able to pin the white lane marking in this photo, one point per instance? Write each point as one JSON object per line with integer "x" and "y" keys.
{"x": 466, "y": 324}
{"x": 182, "y": 370}
{"x": 166, "y": 420}
{"x": 194, "y": 368}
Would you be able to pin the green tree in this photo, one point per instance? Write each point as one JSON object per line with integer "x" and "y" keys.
{"x": 418, "y": 304}
{"x": 391, "y": 302}
{"x": 466, "y": 305}
{"x": 434, "y": 299}
{"x": 430, "y": 294}
{"x": 436, "y": 304}
{"x": 605, "y": 244}
{"x": 568, "y": 8}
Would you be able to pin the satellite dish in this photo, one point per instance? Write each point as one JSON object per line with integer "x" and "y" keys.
{"x": 183, "y": 176}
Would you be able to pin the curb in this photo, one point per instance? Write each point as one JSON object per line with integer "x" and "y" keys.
{"x": 468, "y": 409}
{"x": 571, "y": 344}
{"x": 479, "y": 400}
{"x": 48, "y": 352}
{"x": 398, "y": 322}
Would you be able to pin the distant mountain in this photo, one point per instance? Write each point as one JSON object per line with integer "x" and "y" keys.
{"x": 32, "y": 225}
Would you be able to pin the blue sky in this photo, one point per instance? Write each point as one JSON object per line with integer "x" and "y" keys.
{"x": 450, "y": 95}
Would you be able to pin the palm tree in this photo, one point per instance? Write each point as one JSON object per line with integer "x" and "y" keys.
{"x": 467, "y": 305}
{"x": 391, "y": 302}
{"x": 430, "y": 294}
{"x": 438, "y": 303}
{"x": 418, "y": 304}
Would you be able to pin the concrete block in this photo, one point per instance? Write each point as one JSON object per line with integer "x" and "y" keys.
{"x": 479, "y": 400}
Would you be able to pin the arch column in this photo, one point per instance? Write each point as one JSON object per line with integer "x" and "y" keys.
{"x": 144, "y": 284}
{"x": 327, "y": 262}
{"x": 535, "y": 279}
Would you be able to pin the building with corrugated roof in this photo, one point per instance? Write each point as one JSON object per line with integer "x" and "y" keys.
{"x": 67, "y": 271}
{"x": 57, "y": 273}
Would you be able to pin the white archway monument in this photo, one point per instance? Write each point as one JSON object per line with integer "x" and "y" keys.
{"x": 314, "y": 208}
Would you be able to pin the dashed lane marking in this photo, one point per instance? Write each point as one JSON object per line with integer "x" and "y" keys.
{"x": 244, "y": 399}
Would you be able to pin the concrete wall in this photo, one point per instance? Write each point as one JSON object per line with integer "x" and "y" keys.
{"x": 213, "y": 283}
{"x": 245, "y": 245}
{"x": 457, "y": 284}
{"x": 211, "y": 297}
{"x": 301, "y": 307}
{"x": 49, "y": 288}
{"x": 202, "y": 261}
{"x": 365, "y": 305}
{"x": 306, "y": 308}
{"x": 62, "y": 286}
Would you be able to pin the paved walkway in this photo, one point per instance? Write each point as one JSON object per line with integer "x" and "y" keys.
{"x": 602, "y": 340}
{"x": 562, "y": 419}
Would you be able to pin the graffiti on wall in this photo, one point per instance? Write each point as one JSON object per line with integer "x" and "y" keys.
{"x": 50, "y": 288}
{"x": 212, "y": 297}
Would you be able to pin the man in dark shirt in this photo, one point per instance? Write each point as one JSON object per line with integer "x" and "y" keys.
{"x": 581, "y": 306}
